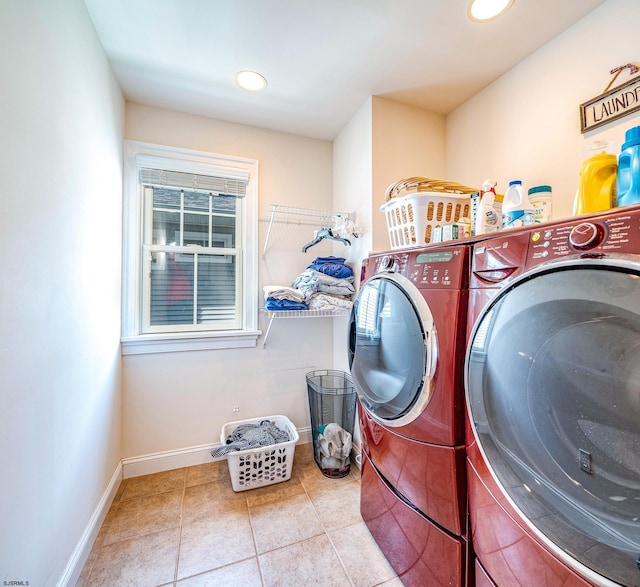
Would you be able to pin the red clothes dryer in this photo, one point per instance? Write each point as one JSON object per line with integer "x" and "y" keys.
{"x": 406, "y": 354}
{"x": 552, "y": 377}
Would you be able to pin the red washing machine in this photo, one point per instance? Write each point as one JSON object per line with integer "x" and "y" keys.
{"x": 552, "y": 377}
{"x": 406, "y": 354}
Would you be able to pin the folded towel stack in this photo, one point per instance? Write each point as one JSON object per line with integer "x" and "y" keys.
{"x": 325, "y": 301}
{"x": 282, "y": 297}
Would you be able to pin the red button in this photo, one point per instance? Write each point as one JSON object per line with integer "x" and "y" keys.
{"x": 585, "y": 236}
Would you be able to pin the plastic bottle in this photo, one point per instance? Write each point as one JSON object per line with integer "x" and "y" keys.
{"x": 516, "y": 208}
{"x": 598, "y": 186}
{"x": 486, "y": 217}
{"x": 464, "y": 227}
{"x": 540, "y": 198}
{"x": 629, "y": 168}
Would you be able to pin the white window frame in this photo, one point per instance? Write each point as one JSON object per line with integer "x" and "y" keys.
{"x": 146, "y": 155}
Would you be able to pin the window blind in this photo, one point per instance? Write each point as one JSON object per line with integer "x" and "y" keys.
{"x": 228, "y": 186}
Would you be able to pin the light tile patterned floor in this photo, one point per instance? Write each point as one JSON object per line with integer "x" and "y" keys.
{"x": 188, "y": 528}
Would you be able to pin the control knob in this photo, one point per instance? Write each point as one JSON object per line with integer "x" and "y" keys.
{"x": 586, "y": 235}
{"x": 387, "y": 263}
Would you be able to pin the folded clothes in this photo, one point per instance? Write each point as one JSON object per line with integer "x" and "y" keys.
{"x": 324, "y": 301}
{"x": 333, "y": 266}
{"x": 329, "y": 259}
{"x": 311, "y": 281}
{"x": 311, "y": 275}
{"x": 275, "y": 304}
{"x": 282, "y": 292}
{"x": 337, "y": 290}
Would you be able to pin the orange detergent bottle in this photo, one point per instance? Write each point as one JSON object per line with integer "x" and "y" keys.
{"x": 598, "y": 180}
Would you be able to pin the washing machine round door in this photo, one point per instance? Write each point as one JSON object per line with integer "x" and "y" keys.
{"x": 553, "y": 393}
{"x": 392, "y": 349}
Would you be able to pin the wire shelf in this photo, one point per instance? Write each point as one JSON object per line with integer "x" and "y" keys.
{"x": 278, "y": 314}
{"x": 306, "y": 313}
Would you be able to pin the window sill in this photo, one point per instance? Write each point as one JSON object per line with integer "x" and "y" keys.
{"x": 173, "y": 343}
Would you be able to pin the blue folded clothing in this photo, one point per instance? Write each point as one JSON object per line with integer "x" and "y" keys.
{"x": 275, "y": 304}
{"x": 333, "y": 266}
{"x": 340, "y": 260}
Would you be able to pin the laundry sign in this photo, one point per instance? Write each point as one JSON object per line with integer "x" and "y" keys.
{"x": 612, "y": 104}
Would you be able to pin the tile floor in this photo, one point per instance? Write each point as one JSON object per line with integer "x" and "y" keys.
{"x": 188, "y": 528}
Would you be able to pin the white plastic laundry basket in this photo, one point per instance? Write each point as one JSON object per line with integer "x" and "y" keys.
{"x": 266, "y": 465}
{"x": 412, "y": 219}
{"x": 417, "y": 206}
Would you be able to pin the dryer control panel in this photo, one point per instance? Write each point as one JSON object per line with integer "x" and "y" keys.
{"x": 440, "y": 268}
{"x": 433, "y": 268}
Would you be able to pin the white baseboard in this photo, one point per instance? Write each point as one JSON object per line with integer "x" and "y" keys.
{"x": 166, "y": 461}
{"x": 184, "y": 457}
{"x": 82, "y": 550}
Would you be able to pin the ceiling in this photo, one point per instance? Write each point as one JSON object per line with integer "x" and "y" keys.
{"x": 322, "y": 59}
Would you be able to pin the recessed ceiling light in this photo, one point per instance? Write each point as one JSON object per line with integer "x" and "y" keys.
{"x": 480, "y": 10}
{"x": 251, "y": 81}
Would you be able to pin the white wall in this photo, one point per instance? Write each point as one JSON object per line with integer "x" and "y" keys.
{"x": 60, "y": 232}
{"x": 181, "y": 400}
{"x": 384, "y": 142}
{"x": 352, "y": 177}
{"x": 407, "y": 142}
{"x": 526, "y": 125}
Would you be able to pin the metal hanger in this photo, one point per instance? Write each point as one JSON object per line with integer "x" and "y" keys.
{"x": 322, "y": 234}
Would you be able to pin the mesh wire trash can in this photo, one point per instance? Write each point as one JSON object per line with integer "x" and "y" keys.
{"x": 332, "y": 403}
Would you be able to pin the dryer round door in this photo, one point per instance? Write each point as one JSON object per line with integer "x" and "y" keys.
{"x": 392, "y": 349}
{"x": 553, "y": 392}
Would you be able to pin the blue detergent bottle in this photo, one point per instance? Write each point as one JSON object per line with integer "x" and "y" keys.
{"x": 629, "y": 169}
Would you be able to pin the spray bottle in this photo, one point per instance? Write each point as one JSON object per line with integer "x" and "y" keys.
{"x": 487, "y": 219}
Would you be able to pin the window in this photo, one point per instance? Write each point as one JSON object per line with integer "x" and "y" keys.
{"x": 190, "y": 250}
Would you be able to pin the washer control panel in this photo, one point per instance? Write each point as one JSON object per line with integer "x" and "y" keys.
{"x": 615, "y": 233}
{"x": 503, "y": 257}
{"x": 586, "y": 235}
